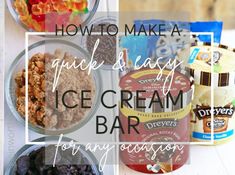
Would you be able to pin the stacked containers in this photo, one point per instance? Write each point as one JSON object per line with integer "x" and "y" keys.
{"x": 161, "y": 119}
{"x": 223, "y": 93}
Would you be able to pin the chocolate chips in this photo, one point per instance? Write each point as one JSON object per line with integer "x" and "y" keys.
{"x": 66, "y": 164}
{"x": 106, "y": 50}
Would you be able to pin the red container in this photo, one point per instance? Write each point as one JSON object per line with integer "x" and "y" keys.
{"x": 164, "y": 120}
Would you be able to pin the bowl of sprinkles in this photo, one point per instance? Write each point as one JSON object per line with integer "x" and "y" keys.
{"x": 43, "y": 15}
{"x": 104, "y": 29}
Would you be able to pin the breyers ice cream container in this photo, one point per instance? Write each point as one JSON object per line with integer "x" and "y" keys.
{"x": 222, "y": 88}
{"x": 163, "y": 117}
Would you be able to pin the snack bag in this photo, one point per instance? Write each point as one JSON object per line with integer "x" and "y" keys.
{"x": 136, "y": 47}
{"x": 166, "y": 46}
{"x": 210, "y": 26}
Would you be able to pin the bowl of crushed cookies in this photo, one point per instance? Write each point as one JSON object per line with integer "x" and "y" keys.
{"x": 51, "y": 87}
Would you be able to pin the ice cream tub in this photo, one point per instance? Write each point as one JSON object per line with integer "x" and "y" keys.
{"x": 223, "y": 110}
{"x": 217, "y": 85}
{"x": 198, "y": 61}
{"x": 163, "y": 118}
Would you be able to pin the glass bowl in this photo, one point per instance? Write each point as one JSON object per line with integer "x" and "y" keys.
{"x": 27, "y": 149}
{"x": 18, "y": 64}
{"x": 92, "y": 8}
{"x": 97, "y": 21}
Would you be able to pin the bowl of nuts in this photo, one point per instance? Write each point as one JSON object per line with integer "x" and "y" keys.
{"x": 38, "y": 159}
{"x": 51, "y": 88}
